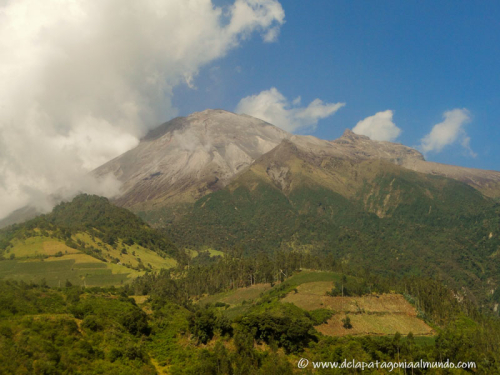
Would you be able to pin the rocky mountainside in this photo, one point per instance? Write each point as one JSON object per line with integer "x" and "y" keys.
{"x": 359, "y": 146}
{"x": 189, "y": 157}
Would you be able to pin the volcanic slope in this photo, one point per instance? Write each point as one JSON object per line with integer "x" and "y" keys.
{"x": 188, "y": 157}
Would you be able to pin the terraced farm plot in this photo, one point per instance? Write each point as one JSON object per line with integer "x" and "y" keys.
{"x": 132, "y": 256}
{"x": 39, "y": 246}
{"x": 383, "y": 314}
{"x": 311, "y": 296}
{"x": 79, "y": 269}
{"x": 375, "y": 324}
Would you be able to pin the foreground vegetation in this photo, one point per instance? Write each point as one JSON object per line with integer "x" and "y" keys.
{"x": 182, "y": 325}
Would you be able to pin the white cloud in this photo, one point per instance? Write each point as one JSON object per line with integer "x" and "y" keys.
{"x": 273, "y": 107}
{"x": 272, "y": 35}
{"x": 448, "y": 132}
{"x": 83, "y": 80}
{"x": 378, "y": 127}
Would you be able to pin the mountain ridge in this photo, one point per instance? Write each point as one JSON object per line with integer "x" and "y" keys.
{"x": 188, "y": 157}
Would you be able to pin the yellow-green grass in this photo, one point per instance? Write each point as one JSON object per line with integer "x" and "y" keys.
{"x": 77, "y": 268}
{"x": 84, "y": 261}
{"x": 375, "y": 324}
{"x": 215, "y": 253}
{"x": 237, "y": 296}
{"x": 39, "y": 246}
{"x": 319, "y": 288}
{"x": 40, "y": 258}
{"x": 192, "y": 253}
{"x": 311, "y": 296}
{"x": 78, "y": 258}
{"x": 139, "y": 299}
{"x": 134, "y": 255}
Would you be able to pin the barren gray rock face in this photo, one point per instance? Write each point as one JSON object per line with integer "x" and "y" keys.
{"x": 354, "y": 146}
{"x": 189, "y": 157}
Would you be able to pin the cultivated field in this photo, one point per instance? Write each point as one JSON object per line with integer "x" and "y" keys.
{"x": 55, "y": 271}
{"x": 375, "y": 324}
{"x": 39, "y": 246}
{"x": 43, "y": 258}
{"x": 132, "y": 256}
{"x": 383, "y": 314}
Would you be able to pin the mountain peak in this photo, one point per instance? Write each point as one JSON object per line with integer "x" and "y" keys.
{"x": 349, "y": 134}
{"x": 211, "y": 112}
{"x": 188, "y": 157}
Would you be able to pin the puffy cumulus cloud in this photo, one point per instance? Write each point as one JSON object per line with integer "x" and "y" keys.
{"x": 448, "y": 132}
{"x": 378, "y": 127}
{"x": 83, "y": 80}
{"x": 273, "y": 107}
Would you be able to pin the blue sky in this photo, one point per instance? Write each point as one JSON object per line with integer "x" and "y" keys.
{"x": 418, "y": 59}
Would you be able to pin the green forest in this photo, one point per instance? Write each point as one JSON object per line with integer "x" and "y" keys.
{"x": 437, "y": 227}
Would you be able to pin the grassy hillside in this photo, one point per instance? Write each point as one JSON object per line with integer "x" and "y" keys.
{"x": 86, "y": 242}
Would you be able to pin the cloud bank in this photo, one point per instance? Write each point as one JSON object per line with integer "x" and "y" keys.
{"x": 83, "y": 80}
{"x": 271, "y": 106}
{"x": 450, "y": 131}
{"x": 378, "y": 127}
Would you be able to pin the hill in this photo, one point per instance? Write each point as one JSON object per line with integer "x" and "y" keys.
{"x": 371, "y": 314}
{"x": 87, "y": 241}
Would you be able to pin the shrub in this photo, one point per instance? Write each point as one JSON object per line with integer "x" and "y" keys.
{"x": 92, "y": 322}
{"x": 346, "y": 322}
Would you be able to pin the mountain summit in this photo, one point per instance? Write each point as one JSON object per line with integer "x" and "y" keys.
{"x": 188, "y": 157}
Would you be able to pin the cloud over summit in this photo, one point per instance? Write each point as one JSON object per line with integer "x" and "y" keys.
{"x": 450, "y": 131}
{"x": 273, "y": 107}
{"x": 378, "y": 127}
{"x": 83, "y": 80}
